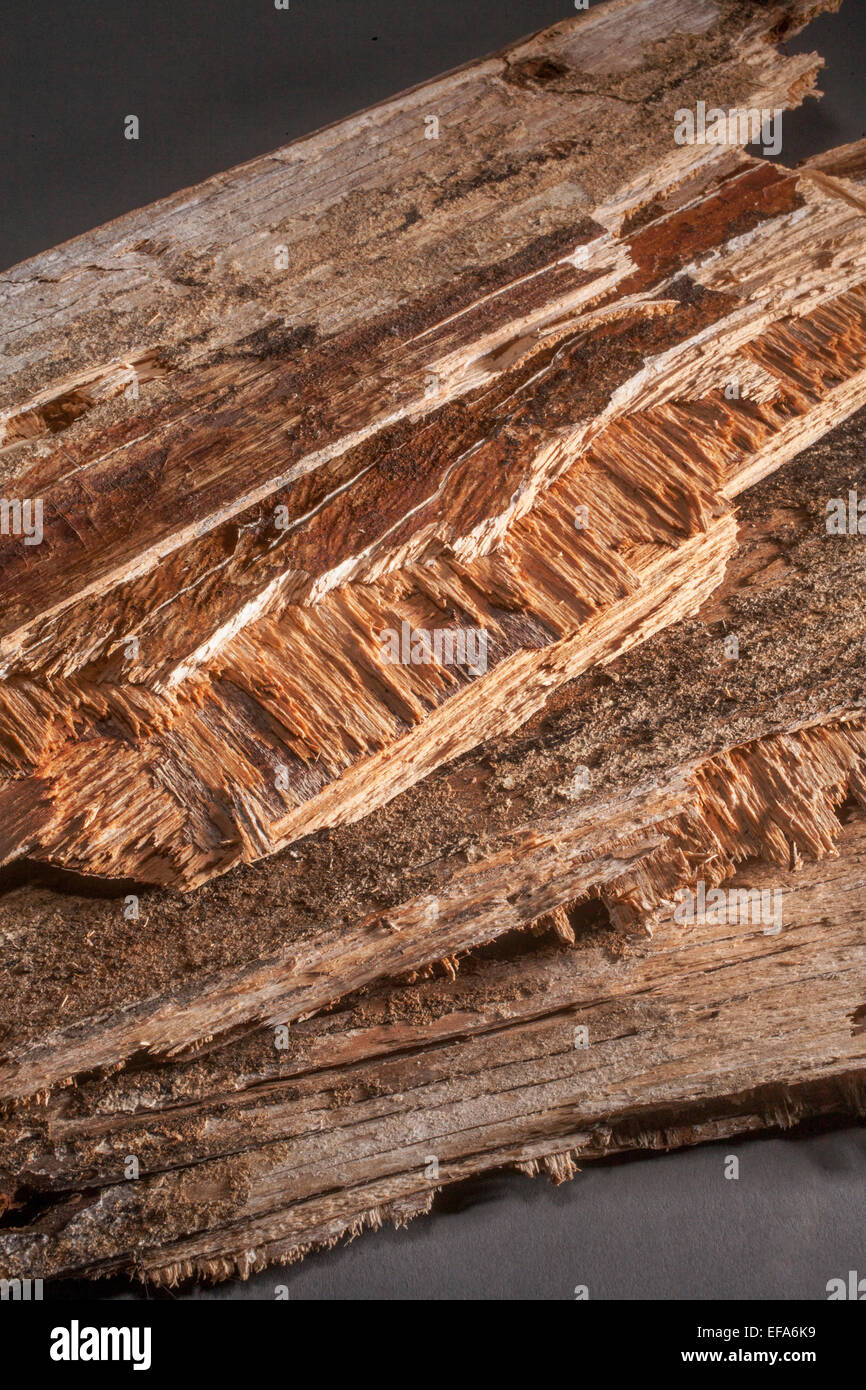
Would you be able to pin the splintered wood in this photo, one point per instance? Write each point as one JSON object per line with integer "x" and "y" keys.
{"x": 431, "y": 718}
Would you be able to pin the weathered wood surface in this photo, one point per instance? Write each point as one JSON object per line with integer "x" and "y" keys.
{"x": 692, "y": 760}
{"x": 468, "y": 351}
{"x": 427, "y": 444}
{"x": 710, "y": 1030}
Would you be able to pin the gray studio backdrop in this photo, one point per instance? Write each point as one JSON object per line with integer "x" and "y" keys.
{"x": 216, "y": 82}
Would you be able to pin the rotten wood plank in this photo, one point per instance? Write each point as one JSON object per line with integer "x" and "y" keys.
{"x": 665, "y": 333}
{"x": 208, "y": 684}
{"x": 545, "y": 1059}
{"x": 665, "y": 751}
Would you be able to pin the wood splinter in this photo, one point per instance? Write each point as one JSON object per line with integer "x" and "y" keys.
{"x": 431, "y": 714}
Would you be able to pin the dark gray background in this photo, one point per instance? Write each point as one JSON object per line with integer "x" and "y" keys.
{"x": 216, "y": 82}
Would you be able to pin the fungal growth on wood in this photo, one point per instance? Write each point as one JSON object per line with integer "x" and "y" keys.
{"x": 431, "y": 720}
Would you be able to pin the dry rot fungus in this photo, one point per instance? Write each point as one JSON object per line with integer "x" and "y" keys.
{"x": 430, "y": 720}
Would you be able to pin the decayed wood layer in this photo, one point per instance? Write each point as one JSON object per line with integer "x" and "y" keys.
{"x": 259, "y": 706}
{"x": 694, "y": 762}
{"x": 710, "y": 1030}
{"x": 777, "y": 798}
{"x": 174, "y": 785}
{"x": 519, "y": 152}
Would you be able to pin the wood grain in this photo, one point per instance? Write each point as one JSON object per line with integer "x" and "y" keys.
{"x": 237, "y": 508}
